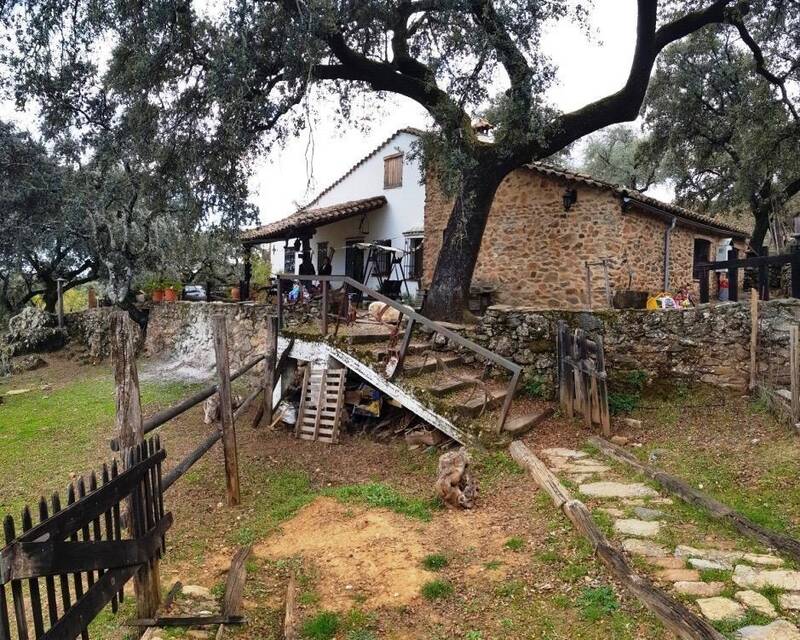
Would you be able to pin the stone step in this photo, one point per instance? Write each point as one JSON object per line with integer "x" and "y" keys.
{"x": 448, "y": 386}
{"x": 414, "y": 347}
{"x": 473, "y": 408}
{"x": 369, "y": 337}
{"x": 521, "y": 425}
{"x": 417, "y": 368}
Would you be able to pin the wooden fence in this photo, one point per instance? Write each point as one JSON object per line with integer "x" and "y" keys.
{"x": 583, "y": 384}
{"x": 85, "y": 553}
{"x": 761, "y": 262}
{"x": 76, "y": 559}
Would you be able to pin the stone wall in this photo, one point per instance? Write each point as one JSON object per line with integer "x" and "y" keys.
{"x": 709, "y": 343}
{"x": 535, "y": 253}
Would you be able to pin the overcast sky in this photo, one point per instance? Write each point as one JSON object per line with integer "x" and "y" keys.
{"x": 589, "y": 68}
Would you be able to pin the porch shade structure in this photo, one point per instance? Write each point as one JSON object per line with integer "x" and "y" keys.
{"x": 302, "y": 224}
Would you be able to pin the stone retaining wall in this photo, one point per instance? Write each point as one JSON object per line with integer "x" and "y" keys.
{"x": 708, "y": 343}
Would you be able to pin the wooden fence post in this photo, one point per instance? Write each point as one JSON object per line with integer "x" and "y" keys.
{"x": 226, "y": 411}
{"x": 279, "y": 303}
{"x": 753, "y": 337}
{"x": 794, "y": 373}
{"x": 269, "y": 366}
{"x": 130, "y": 433}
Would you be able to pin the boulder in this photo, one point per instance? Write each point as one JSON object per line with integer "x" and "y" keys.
{"x": 778, "y": 630}
{"x": 32, "y": 331}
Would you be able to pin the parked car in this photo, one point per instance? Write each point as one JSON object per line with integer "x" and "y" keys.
{"x": 194, "y": 293}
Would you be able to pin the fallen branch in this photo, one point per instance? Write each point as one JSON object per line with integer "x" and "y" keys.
{"x": 788, "y": 545}
{"x": 674, "y": 615}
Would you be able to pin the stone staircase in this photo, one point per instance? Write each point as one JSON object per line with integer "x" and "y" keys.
{"x": 456, "y": 385}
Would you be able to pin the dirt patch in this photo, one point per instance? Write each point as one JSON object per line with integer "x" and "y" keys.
{"x": 373, "y": 553}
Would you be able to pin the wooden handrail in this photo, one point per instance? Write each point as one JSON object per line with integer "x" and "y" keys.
{"x": 414, "y": 317}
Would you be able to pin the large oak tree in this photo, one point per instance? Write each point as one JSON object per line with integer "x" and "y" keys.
{"x": 242, "y": 71}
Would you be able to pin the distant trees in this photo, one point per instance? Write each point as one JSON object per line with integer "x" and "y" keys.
{"x": 622, "y": 156}
{"x": 43, "y": 237}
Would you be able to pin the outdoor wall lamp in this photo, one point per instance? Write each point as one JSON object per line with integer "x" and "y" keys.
{"x": 570, "y": 197}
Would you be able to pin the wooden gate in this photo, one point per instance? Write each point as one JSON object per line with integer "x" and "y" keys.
{"x": 583, "y": 387}
{"x": 64, "y": 570}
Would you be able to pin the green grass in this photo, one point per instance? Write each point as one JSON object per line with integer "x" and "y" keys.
{"x": 510, "y": 589}
{"x": 514, "y": 544}
{"x": 729, "y": 627}
{"x": 376, "y": 494}
{"x": 437, "y": 590}
{"x": 435, "y": 561}
{"x": 74, "y": 419}
{"x": 323, "y": 626}
{"x": 597, "y": 602}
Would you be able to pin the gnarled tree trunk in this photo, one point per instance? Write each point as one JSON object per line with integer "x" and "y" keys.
{"x": 449, "y": 291}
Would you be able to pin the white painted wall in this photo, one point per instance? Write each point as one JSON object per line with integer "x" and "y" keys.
{"x": 404, "y": 211}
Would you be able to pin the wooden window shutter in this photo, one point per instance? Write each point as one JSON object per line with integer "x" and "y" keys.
{"x": 393, "y": 171}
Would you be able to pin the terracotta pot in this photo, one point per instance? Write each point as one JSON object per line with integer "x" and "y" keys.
{"x": 235, "y": 293}
{"x": 170, "y": 295}
{"x": 158, "y": 295}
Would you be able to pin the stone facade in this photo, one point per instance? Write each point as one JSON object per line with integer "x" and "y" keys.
{"x": 535, "y": 253}
{"x": 709, "y": 343}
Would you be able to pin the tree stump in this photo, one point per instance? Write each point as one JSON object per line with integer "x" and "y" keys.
{"x": 455, "y": 484}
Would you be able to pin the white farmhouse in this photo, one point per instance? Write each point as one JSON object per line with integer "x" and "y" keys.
{"x": 380, "y": 200}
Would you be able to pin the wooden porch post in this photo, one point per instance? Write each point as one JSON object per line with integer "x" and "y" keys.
{"x": 269, "y": 366}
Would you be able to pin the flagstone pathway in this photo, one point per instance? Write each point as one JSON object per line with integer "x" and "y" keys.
{"x": 747, "y": 592}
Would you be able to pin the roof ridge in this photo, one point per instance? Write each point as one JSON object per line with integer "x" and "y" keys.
{"x": 411, "y": 130}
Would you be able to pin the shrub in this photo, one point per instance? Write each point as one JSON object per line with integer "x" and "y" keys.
{"x": 596, "y": 602}
{"x": 434, "y": 561}
{"x": 322, "y": 626}
{"x": 514, "y": 544}
{"x": 622, "y": 402}
{"x": 436, "y": 590}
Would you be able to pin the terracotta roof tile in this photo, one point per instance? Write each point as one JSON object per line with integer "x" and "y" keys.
{"x": 306, "y": 219}
{"x": 636, "y": 196}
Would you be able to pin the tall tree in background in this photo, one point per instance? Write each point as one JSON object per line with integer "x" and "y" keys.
{"x": 233, "y": 77}
{"x": 42, "y": 236}
{"x": 726, "y": 125}
{"x": 621, "y": 156}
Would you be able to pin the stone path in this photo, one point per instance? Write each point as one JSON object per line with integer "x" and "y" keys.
{"x": 725, "y": 580}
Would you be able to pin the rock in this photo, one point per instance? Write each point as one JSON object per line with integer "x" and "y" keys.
{"x": 558, "y": 452}
{"x": 789, "y": 601}
{"x": 196, "y": 591}
{"x": 684, "y": 551}
{"x": 34, "y": 330}
{"x": 619, "y": 440}
{"x": 643, "y": 548}
{"x": 703, "y": 564}
{"x": 198, "y": 634}
{"x": 586, "y": 468}
{"x": 757, "y": 602}
{"x": 616, "y": 490}
{"x": 639, "y": 528}
{"x": 18, "y": 392}
{"x": 719, "y": 608}
{"x": 763, "y": 559}
{"x": 778, "y": 630}
{"x": 751, "y": 578}
{"x": 678, "y": 575}
{"x": 643, "y": 513}
{"x": 631, "y": 422}
{"x": 699, "y": 589}
{"x": 614, "y": 513}
{"x": 656, "y": 454}
{"x": 668, "y": 562}
{"x": 21, "y": 364}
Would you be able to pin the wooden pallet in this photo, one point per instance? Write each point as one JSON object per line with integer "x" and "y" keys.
{"x": 321, "y": 405}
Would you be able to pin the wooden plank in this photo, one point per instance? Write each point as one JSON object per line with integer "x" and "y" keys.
{"x": 689, "y": 494}
{"x": 794, "y": 372}
{"x": 602, "y": 391}
{"x": 63, "y": 579}
{"x": 291, "y": 619}
{"x": 753, "y": 338}
{"x": 320, "y": 402}
{"x": 89, "y": 605}
{"x": 674, "y": 615}
{"x": 230, "y": 451}
{"x": 49, "y": 582}
{"x": 184, "y": 621}
{"x": 33, "y": 584}
{"x": 109, "y": 525}
{"x": 16, "y": 587}
{"x": 234, "y": 584}
{"x": 29, "y": 559}
{"x": 301, "y": 411}
{"x": 339, "y": 406}
{"x": 5, "y": 623}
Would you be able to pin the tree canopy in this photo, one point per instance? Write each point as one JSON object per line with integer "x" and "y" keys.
{"x": 620, "y": 155}
{"x": 166, "y": 101}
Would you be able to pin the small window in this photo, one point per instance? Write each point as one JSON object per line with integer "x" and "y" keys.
{"x": 288, "y": 260}
{"x": 414, "y": 258}
{"x": 393, "y": 171}
{"x": 702, "y": 249}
